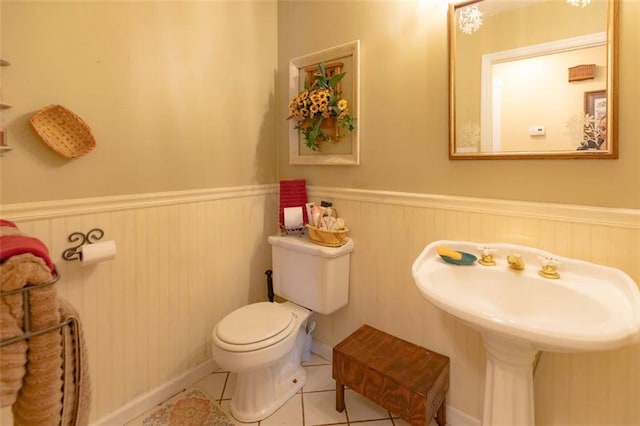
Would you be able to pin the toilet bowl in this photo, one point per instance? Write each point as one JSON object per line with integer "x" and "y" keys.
{"x": 263, "y": 344}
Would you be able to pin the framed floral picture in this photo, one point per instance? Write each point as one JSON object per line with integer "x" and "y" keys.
{"x": 323, "y": 109}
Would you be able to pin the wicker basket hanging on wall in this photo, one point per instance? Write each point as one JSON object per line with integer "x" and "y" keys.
{"x": 64, "y": 132}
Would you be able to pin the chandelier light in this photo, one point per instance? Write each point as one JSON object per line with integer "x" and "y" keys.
{"x": 470, "y": 18}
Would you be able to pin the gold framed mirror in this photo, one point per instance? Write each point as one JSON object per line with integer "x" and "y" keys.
{"x": 533, "y": 79}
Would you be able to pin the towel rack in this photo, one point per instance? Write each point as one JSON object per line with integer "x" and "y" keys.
{"x": 27, "y": 332}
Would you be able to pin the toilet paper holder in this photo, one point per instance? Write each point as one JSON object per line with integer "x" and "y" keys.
{"x": 74, "y": 253}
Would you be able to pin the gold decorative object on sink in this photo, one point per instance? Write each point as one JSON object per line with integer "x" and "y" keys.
{"x": 515, "y": 261}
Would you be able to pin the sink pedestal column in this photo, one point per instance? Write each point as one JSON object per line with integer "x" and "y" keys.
{"x": 508, "y": 392}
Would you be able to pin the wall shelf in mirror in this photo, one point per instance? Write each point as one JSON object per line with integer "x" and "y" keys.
{"x": 509, "y": 93}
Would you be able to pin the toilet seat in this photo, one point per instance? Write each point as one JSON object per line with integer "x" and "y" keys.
{"x": 254, "y": 327}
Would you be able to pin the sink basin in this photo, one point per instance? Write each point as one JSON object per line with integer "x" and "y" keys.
{"x": 518, "y": 312}
{"x": 591, "y": 307}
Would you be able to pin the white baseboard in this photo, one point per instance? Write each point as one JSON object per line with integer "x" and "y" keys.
{"x": 145, "y": 402}
{"x": 455, "y": 417}
{"x": 322, "y": 350}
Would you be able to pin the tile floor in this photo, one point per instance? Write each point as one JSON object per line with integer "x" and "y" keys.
{"x": 314, "y": 405}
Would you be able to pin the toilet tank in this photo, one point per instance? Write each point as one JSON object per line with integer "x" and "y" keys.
{"x": 309, "y": 274}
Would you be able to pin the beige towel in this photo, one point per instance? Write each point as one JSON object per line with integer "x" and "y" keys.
{"x": 13, "y": 358}
{"x": 15, "y": 273}
{"x": 39, "y": 397}
{"x": 76, "y": 401}
{"x": 45, "y": 379}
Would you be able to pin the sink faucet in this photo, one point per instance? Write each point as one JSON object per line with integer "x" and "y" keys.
{"x": 486, "y": 256}
{"x": 548, "y": 268}
{"x": 515, "y": 261}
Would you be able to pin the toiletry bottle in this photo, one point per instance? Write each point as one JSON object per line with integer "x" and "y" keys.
{"x": 316, "y": 214}
{"x": 328, "y": 209}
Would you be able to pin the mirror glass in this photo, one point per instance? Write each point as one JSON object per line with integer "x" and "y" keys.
{"x": 533, "y": 79}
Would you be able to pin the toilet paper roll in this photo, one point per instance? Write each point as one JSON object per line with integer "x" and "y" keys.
{"x": 293, "y": 218}
{"x": 91, "y": 254}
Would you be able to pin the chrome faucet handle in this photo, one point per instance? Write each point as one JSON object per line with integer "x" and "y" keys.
{"x": 486, "y": 255}
{"x": 549, "y": 267}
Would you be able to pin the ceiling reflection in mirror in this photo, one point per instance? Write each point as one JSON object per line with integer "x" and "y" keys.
{"x": 532, "y": 79}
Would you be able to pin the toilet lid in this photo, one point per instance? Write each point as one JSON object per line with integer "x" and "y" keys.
{"x": 254, "y": 323}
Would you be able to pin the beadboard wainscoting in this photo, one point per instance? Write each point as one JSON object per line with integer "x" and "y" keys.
{"x": 390, "y": 229}
{"x": 186, "y": 259}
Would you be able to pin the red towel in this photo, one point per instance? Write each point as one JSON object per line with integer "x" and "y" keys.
{"x": 293, "y": 193}
{"x": 12, "y": 243}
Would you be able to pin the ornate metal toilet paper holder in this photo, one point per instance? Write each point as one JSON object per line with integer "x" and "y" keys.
{"x": 74, "y": 253}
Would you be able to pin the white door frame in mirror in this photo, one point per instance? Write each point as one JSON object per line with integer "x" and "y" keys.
{"x": 345, "y": 152}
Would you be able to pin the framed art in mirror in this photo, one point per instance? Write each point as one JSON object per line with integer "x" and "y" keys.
{"x": 519, "y": 89}
{"x": 595, "y": 104}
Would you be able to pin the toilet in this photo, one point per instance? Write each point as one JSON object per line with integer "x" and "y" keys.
{"x": 263, "y": 342}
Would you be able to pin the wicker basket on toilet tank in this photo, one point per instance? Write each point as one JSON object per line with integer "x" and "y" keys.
{"x": 327, "y": 238}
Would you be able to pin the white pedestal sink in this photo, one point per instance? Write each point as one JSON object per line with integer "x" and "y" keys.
{"x": 518, "y": 312}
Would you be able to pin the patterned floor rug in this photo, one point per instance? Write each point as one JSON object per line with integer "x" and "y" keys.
{"x": 193, "y": 407}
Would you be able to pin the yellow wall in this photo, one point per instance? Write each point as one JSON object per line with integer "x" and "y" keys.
{"x": 174, "y": 109}
{"x": 403, "y": 122}
{"x": 179, "y": 95}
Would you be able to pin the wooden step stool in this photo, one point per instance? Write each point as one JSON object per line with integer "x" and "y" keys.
{"x": 408, "y": 380}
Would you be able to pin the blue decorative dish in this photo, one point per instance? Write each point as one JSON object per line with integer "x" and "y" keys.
{"x": 467, "y": 259}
